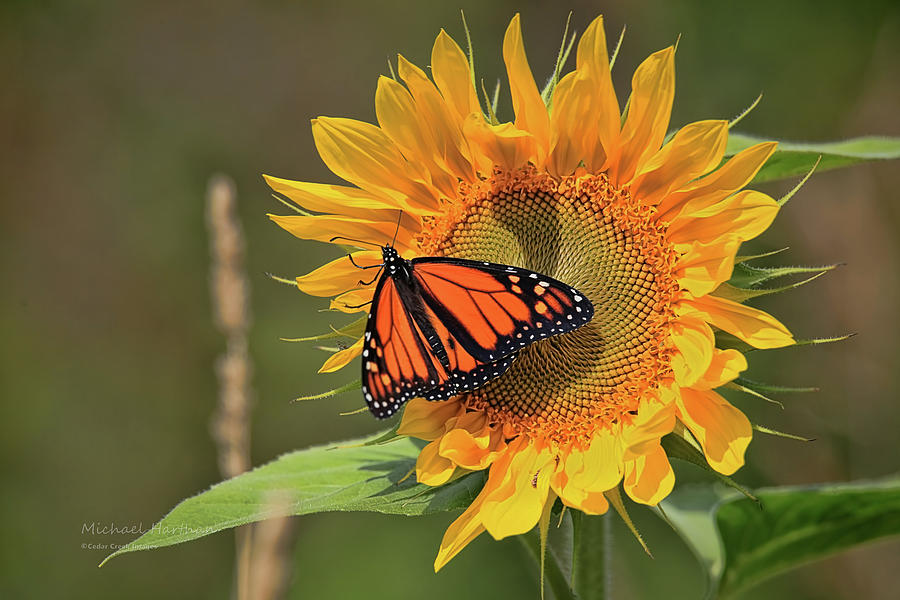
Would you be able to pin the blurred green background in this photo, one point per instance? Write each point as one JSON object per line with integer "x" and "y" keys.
{"x": 113, "y": 116}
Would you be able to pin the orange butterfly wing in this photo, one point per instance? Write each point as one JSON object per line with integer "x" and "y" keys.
{"x": 455, "y": 326}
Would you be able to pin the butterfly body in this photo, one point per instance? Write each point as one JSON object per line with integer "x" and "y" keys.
{"x": 442, "y": 326}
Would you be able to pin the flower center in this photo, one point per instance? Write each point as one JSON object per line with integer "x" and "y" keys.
{"x": 598, "y": 240}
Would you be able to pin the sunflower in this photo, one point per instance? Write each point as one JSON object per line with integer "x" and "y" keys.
{"x": 647, "y": 227}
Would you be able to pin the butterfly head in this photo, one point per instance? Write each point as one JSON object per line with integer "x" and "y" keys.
{"x": 394, "y": 264}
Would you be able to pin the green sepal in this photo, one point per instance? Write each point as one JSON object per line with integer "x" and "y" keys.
{"x": 781, "y": 434}
{"x": 726, "y": 341}
{"x": 385, "y": 438}
{"x": 783, "y": 200}
{"x": 352, "y": 330}
{"x": 773, "y": 389}
{"x": 282, "y": 280}
{"x": 288, "y": 203}
{"x": 745, "y": 275}
{"x": 679, "y": 448}
{"x": 744, "y": 258}
{"x": 745, "y": 112}
{"x": 614, "y": 497}
{"x": 544, "y": 527}
{"x": 741, "y": 295}
{"x": 491, "y": 104}
{"x": 825, "y": 340}
{"x": 733, "y": 385}
{"x": 349, "y": 387}
{"x": 564, "y": 49}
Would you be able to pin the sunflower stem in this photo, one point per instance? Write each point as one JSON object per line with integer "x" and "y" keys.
{"x": 592, "y": 556}
{"x": 553, "y": 574}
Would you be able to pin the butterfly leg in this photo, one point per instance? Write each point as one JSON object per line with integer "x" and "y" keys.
{"x": 350, "y": 256}
{"x": 358, "y": 305}
{"x": 374, "y": 279}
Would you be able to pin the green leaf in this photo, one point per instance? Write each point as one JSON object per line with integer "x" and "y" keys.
{"x": 792, "y": 159}
{"x": 353, "y": 477}
{"x": 741, "y": 543}
{"x": 689, "y": 510}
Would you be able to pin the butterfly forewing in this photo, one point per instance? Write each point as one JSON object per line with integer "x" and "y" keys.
{"x": 397, "y": 363}
{"x": 494, "y": 310}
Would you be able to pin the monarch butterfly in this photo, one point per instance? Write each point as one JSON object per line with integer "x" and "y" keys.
{"x": 441, "y": 326}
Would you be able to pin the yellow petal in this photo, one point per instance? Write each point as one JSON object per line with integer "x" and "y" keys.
{"x": 399, "y": 118}
{"x": 585, "y": 121}
{"x": 518, "y": 490}
{"x": 591, "y": 503}
{"x": 425, "y": 419}
{"x": 597, "y": 468}
{"x": 715, "y": 187}
{"x": 504, "y": 145}
{"x": 335, "y": 199}
{"x": 450, "y": 69}
{"x": 463, "y": 530}
{"x": 757, "y": 328}
{"x": 353, "y": 301}
{"x": 725, "y": 366}
{"x": 704, "y": 266}
{"x": 654, "y": 420}
{"x": 652, "y": 92}
{"x": 649, "y": 478}
{"x": 722, "y": 430}
{"x": 339, "y": 275}
{"x": 432, "y": 468}
{"x": 592, "y": 64}
{"x": 695, "y": 150}
{"x": 695, "y": 343}
{"x": 744, "y": 216}
{"x": 450, "y": 148}
{"x": 568, "y": 129}
{"x": 340, "y": 359}
{"x": 531, "y": 113}
{"x": 363, "y": 155}
{"x": 324, "y": 227}
{"x": 472, "y": 442}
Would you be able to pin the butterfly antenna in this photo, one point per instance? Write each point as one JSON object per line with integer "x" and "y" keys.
{"x": 397, "y": 230}
{"x": 346, "y": 239}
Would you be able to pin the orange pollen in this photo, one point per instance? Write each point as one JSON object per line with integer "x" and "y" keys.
{"x": 602, "y": 242}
